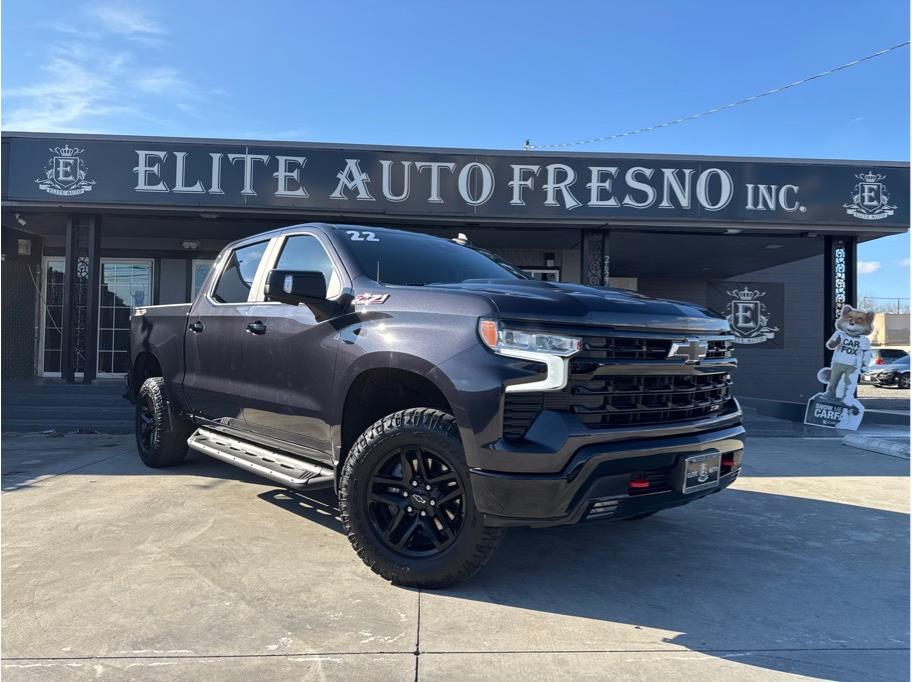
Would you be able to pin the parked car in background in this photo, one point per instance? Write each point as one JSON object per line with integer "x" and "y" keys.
{"x": 885, "y": 356}
{"x": 894, "y": 374}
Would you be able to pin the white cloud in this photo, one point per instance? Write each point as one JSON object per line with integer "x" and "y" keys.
{"x": 866, "y": 267}
{"x": 98, "y": 85}
{"x": 161, "y": 81}
{"x": 130, "y": 22}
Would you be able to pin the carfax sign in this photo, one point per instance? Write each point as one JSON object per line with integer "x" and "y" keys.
{"x": 428, "y": 182}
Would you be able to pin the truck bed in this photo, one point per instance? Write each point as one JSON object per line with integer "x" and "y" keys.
{"x": 160, "y": 329}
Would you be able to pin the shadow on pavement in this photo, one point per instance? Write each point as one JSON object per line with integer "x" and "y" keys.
{"x": 785, "y": 578}
{"x": 741, "y": 571}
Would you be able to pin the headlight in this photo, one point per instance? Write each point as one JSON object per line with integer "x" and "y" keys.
{"x": 500, "y": 339}
{"x": 553, "y": 350}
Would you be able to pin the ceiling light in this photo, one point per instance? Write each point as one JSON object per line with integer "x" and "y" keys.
{"x": 732, "y": 230}
{"x": 191, "y": 244}
{"x": 773, "y": 246}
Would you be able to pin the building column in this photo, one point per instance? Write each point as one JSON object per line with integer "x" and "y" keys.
{"x": 594, "y": 267}
{"x": 92, "y": 291}
{"x": 840, "y": 286}
{"x": 68, "y": 321}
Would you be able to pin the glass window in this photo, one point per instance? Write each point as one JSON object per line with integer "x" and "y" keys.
{"x": 237, "y": 277}
{"x": 544, "y": 274}
{"x": 416, "y": 259}
{"x": 305, "y": 252}
{"x": 124, "y": 286}
{"x": 201, "y": 269}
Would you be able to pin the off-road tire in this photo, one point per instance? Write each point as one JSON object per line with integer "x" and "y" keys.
{"x": 167, "y": 444}
{"x": 474, "y": 541}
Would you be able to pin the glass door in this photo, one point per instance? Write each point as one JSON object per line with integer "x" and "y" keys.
{"x": 125, "y": 284}
{"x": 52, "y": 319}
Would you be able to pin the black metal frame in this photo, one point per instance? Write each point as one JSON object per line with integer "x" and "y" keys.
{"x": 840, "y": 282}
{"x": 92, "y": 240}
{"x": 68, "y": 321}
{"x": 91, "y": 347}
{"x": 594, "y": 258}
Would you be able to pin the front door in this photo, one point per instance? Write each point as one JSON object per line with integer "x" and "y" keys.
{"x": 214, "y": 380}
{"x": 289, "y": 359}
{"x": 123, "y": 285}
{"x": 52, "y": 319}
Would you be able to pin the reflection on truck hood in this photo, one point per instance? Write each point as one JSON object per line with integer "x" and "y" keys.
{"x": 567, "y": 303}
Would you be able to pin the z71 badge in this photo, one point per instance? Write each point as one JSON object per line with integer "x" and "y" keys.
{"x": 370, "y": 298}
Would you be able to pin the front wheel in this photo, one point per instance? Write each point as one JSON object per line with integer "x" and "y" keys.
{"x": 407, "y": 504}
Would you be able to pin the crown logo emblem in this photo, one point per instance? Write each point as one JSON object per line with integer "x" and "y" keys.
{"x": 65, "y": 173}
{"x": 749, "y": 317}
{"x": 66, "y": 151}
{"x": 746, "y": 294}
{"x": 870, "y": 200}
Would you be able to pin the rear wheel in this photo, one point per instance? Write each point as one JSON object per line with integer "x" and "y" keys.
{"x": 161, "y": 437}
{"x": 407, "y": 504}
{"x": 903, "y": 381}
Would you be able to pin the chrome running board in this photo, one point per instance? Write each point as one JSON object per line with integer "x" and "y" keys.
{"x": 288, "y": 471}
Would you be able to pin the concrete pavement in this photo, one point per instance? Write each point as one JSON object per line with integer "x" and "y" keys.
{"x": 112, "y": 571}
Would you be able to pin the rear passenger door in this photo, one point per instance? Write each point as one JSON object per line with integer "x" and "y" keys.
{"x": 213, "y": 344}
{"x": 289, "y": 362}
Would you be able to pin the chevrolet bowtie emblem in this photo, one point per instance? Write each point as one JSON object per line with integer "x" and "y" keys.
{"x": 690, "y": 350}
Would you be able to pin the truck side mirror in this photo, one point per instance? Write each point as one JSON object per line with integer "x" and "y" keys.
{"x": 295, "y": 286}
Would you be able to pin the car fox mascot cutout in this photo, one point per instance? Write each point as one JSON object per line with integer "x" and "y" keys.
{"x": 837, "y": 407}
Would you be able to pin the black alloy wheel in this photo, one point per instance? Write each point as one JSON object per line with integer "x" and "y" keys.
{"x": 406, "y": 501}
{"x": 416, "y": 503}
{"x": 161, "y": 435}
{"x": 146, "y": 423}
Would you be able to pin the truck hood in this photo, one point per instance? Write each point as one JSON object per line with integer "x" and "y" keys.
{"x": 576, "y": 304}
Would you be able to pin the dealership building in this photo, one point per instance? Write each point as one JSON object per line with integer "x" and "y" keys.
{"x": 93, "y": 226}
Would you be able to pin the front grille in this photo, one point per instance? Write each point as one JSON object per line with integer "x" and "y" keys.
{"x": 520, "y": 410}
{"x": 609, "y": 387}
{"x": 641, "y": 348}
{"x": 634, "y": 400}
{"x": 719, "y": 348}
{"x": 623, "y": 348}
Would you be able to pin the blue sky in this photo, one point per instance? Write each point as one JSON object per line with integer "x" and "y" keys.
{"x": 474, "y": 74}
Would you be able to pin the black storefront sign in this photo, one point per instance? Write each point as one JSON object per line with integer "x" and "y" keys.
{"x": 423, "y": 182}
{"x": 755, "y": 311}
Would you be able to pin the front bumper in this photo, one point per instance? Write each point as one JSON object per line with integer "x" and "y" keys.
{"x": 596, "y": 481}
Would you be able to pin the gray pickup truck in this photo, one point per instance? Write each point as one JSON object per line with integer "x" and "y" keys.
{"x": 441, "y": 392}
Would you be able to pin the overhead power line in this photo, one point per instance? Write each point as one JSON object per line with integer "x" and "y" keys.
{"x": 528, "y": 145}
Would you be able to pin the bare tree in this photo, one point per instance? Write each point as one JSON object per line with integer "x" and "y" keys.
{"x": 884, "y": 304}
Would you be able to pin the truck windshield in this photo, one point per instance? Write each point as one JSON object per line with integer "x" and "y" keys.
{"x": 416, "y": 260}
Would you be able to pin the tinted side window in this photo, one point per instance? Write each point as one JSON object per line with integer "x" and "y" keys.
{"x": 237, "y": 277}
{"x": 304, "y": 252}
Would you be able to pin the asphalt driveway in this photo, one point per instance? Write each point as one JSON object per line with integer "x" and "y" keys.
{"x": 111, "y": 571}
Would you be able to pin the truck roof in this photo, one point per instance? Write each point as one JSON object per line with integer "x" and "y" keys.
{"x": 321, "y": 227}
